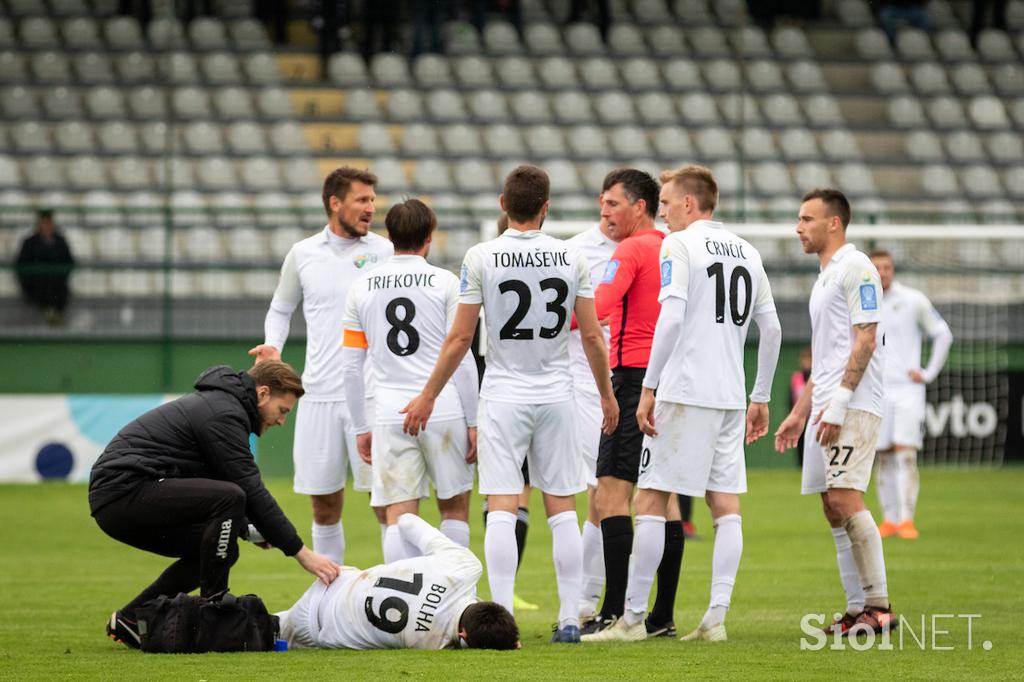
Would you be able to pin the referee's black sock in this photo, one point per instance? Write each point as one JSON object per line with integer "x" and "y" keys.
{"x": 522, "y": 525}
{"x": 668, "y": 574}
{"x": 617, "y": 532}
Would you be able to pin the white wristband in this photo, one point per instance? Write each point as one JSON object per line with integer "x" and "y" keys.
{"x": 836, "y": 411}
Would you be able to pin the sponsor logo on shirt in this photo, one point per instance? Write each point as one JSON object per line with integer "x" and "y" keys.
{"x": 868, "y": 297}
{"x": 666, "y": 273}
{"x": 609, "y": 271}
{"x": 364, "y": 258}
{"x": 463, "y": 279}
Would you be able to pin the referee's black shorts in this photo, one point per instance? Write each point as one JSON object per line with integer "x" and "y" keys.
{"x": 618, "y": 455}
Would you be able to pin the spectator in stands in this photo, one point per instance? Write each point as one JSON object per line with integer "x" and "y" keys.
{"x": 428, "y": 17}
{"x": 980, "y": 16}
{"x": 381, "y": 20}
{"x": 895, "y": 14}
{"x": 604, "y": 14}
{"x": 43, "y": 267}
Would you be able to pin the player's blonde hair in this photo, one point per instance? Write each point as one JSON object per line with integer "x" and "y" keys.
{"x": 697, "y": 181}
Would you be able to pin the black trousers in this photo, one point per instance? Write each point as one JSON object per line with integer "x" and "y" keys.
{"x": 196, "y": 520}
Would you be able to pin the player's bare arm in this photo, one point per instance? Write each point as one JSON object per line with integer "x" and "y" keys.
{"x": 597, "y": 356}
{"x": 788, "y": 433}
{"x": 831, "y": 419}
{"x": 455, "y": 347}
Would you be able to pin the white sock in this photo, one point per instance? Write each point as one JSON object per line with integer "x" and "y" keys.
{"x": 502, "y": 556}
{"x": 887, "y": 487}
{"x": 395, "y": 546}
{"x": 593, "y": 569}
{"x": 867, "y": 552}
{"x": 848, "y": 572}
{"x": 456, "y": 531}
{"x": 648, "y": 546}
{"x": 725, "y": 563}
{"x": 567, "y": 552}
{"x": 909, "y": 483}
{"x": 329, "y": 541}
{"x": 383, "y": 535}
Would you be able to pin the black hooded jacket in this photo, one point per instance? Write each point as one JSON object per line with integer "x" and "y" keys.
{"x": 201, "y": 435}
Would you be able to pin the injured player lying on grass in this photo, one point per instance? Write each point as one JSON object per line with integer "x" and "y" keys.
{"x": 426, "y": 602}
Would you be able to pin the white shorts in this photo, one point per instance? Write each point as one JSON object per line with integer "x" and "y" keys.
{"x": 544, "y": 435}
{"x": 697, "y": 449}
{"x": 847, "y": 464}
{"x": 325, "y": 448}
{"x": 902, "y": 416}
{"x": 588, "y": 426}
{"x": 404, "y": 465}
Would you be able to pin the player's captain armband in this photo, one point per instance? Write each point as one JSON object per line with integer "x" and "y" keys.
{"x": 666, "y": 272}
{"x": 463, "y": 279}
{"x": 354, "y": 339}
{"x": 868, "y": 297}
{"x": 609, "y": 271}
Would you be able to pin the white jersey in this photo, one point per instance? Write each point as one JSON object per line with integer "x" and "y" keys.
{"x": 722, "y": 280}
{"x": 906, "y": 313}
{"x": 598, "y": 250}
{"x": 848, "y": 292}
{"x": 527, "y": 283}
{"x": 405, "y": 308}
{"x": 318, "y": 271}
{"x": 409, "y": 604}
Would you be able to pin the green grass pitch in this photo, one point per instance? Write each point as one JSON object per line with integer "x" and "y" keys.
{"x": 60, "y": 577}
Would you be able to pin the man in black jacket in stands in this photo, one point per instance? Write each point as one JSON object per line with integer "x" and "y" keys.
{"x": 180, "y": 481}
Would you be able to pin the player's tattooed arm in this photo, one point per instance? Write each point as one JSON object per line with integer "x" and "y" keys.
{"x": 863, "y": 348}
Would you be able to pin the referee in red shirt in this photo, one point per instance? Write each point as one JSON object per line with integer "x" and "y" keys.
{"x": 628, "y": 298}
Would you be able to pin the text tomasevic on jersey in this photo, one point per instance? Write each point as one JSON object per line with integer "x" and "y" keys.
{"x": 724, "y": 249}
{"x": 400, "y": 281}
{"x": 530, "y": 259}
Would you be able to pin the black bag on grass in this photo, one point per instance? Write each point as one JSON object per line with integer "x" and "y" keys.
{"x": 192, "y": 625}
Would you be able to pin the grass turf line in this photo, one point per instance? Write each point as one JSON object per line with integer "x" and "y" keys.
{"x": 60, "y": 577}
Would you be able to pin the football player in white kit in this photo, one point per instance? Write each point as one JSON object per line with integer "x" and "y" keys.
{"x": 597, "y": 247}
{"x": 528, "y": 284}
{"x": 426, "y": 602}
{"x": 844, "y": 396}
{"x": 907, "y": 315}
{"x": 318, "y": 271}
{"x": 712, "y": 285}
{"x": 399, "y": 314}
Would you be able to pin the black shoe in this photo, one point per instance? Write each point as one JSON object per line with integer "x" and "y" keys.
{"x": 125, "y": 630}
{"x": 666, "y": 630}
{"x": 595, "y": 624}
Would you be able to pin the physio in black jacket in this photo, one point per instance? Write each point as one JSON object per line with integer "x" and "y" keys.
{"x": 180, "y": 481}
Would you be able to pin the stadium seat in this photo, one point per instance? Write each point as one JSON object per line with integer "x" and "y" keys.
{"x": 515, "y": 72}
{"x": 806, "y": 76}
{"x": 640, "y": 74}
{"x": 10, "y": 173}
{"x": 1009, "y": 79}
{"x": 259, "y": 284}
{"x": 782, "y": 109}
{"x": 153, "y": 137}
{"x": 461, "y": 37}
{"x": 557, "y": 72}
{"x": 988, "y": 113}
{"x": 586, "y": 141}
{"x": 798, "y": 144}
{"x": 248, "y": 34}
{"x": 287, "y": 138}
{"x": 592, "y": 174}
{"x": 44, "y": 173}
{"x": 503, "y": 140}
{"x": 771, "y": 177}
{"x": 888, "y": 78}
{"x": 964, "y": 146}
{"x": 671, "y": 143}
{"x": 207, "y": 34}
{"x": 655, "y": 108}
{"x": 1005, "y": 147}
{"x": 221, "y": 68}
{"x": 82, "y": 246}
{"x": 261, "y": 68}
{"x": 545, "y": 141}
{"x": 405, "y": 105}
{"x": 135, "y": 67}
{"x": 432, "y": 71}
{"x": 203, "y": 137}
{"x": 166, "y": 33}
{"x": 446, "y": 105}
{"x": 715, "y": 143}
{"x": 914, "y": 44}
{"x": 487, "y": 105}
{"x": 274, "y": 103}
{"x": 30, "y": 136}
{"x": 105, "y": 102}
{"x": 74, "y": 137}
{"x": 38, "y": 33}
{"x": 938, "y": 180}
{"x": 543, "y": 39}
{"x": 905, "y": 111}
{"x": 232, "y": 103}
{"x": 81, "y": 33}
{"x": 474, "y": 71}
{"x": 123, "y": 33}
{"x": 117, "y": 244}
{"x": 390, "y": 70}
{"x": 970, "y": 79}
{"x": 230, "y": 209}
{"x": 791, "y": 42}
{"x": 583, "y": 39}
{"x": 667, "y": 40}
{"x": 758, "y": 143}
{"x": 698, "y": 107}
{"x": 419, "y": 139}
{"x": 144, "y": 209}
{"x": 374, "y": 138}
{"x": 117, "y": 137}
{"x": 61, "y": 102}
{"x": 856, "y": 179}
{"x": 461, "y": 140}
{"x": 740, "y": 109}
{"x": 599, "y": 73}
{"x": 1014, "y": 179}
{"x": 929, "y": 79}
{"x": 750, "y": 42}
{"x": 871, "y": 43}
{"x": 995, "y": 46}
{"x": 176, "y": 172}
{"x": 245, "y": 137}
{"x": 147, "y": 102}
{"x": 392, "y": 175}
{"x": 682, "y": 75}
{"x": 564, "y": 176}
{"x": 994, "y": 212}
{"x": 839, "y": 144}
{"x": 347, "y": 69}
{"x": 614, "y": 107}
{"x": 722, "y": 75}
{"x": 708, "y": 41}
{"x": 300, "y": 173}
{"x": 729, "y": 177}
{"x": 19, "y": 102}
{"x": 572, "y": 107}
{"x": 473, "y": 175}
{"x": 50, "y": 67}
{"x": 981, "y": 182}
{"x": 500, "y": 37}
{"x": 953, "y": 45}
{"x": 630, "y": 141}
{"x": 764, "y": 75}
{"x": 946, "y": 113}
{"x": 812, "y": 174}
{"x": 190, "y": 102}
{"x": 923, "y": 145}
{"x": 93, "y": 67}
{"x": 626, "y": 40}
{"x": 7, "y": 39}
{"x": 246, "y": 244}
{"x": 130, "y": 172}
{"x": 201, "y": 244}
{"x": 12, "y": 67}
{"x": 431, "y": 175}
{"x": 276, "y": 210}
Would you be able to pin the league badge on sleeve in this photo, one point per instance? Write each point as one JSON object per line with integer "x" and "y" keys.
{"x": 463, "y": 279}
{"x": 868, "y": 297}
{"x": 609, "y": 271}
{"x": 666, "y": 272}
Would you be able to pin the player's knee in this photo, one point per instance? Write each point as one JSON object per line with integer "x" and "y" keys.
{"x": 231, "y": 500}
